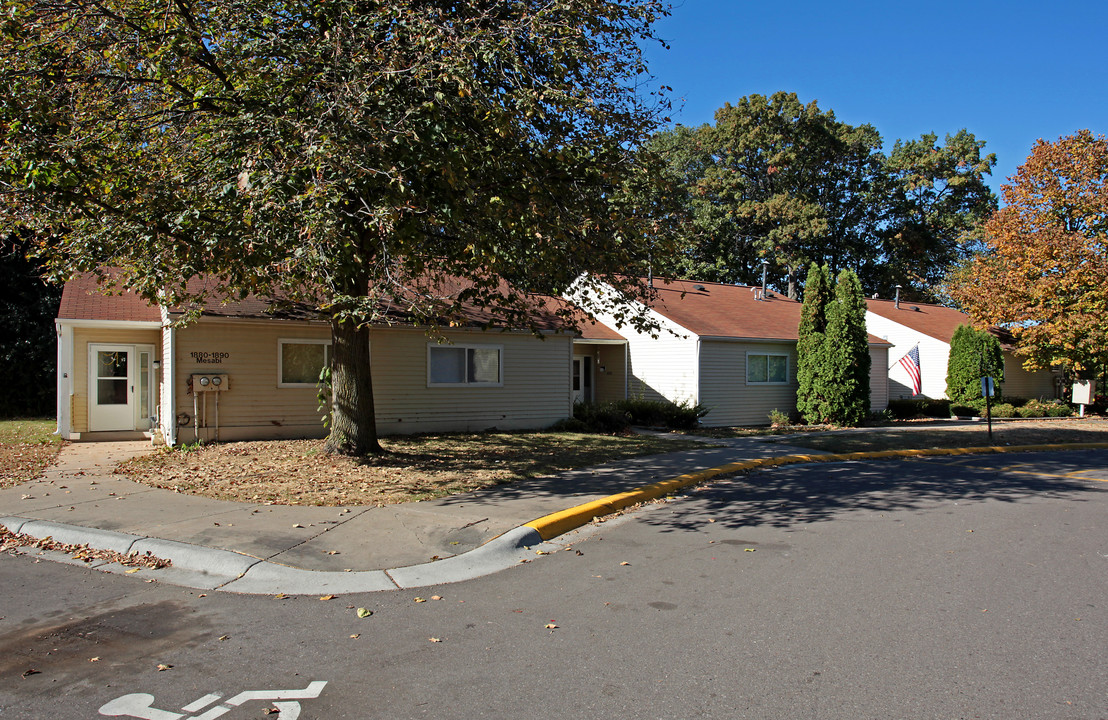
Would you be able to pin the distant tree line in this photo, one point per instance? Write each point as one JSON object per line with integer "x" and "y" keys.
{"x": 28, "y": 306}
{"x": 778, "y": 180}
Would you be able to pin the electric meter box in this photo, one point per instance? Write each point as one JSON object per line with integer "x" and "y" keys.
{"x": 204, "y": 382}
{"x": 1083, "y": 392}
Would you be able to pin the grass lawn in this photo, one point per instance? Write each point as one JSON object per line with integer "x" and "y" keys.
{"x": 298, "y": 472}
{"x": 920, "y": 436}
{"x": 27, "y": 447}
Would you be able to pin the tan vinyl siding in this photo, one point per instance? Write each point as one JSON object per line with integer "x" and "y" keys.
{"x": 724, "y": 388}
{"x": 534, "y": 394}
{"x": 611, "y": 384}
{"x": 82, "y": 337}
{"x": 878, "y": 379}
{"x": 534, "y": 391}
{"x": 1027, "y": 383}
{"x": 253, "y": 405}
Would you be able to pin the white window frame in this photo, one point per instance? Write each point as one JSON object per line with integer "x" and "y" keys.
{"x": 467, "y": 346}
{"x": 281, "y": 342}
{"x": 751, "y": 353}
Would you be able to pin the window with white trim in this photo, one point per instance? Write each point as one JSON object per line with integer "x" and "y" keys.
{"x": 767, "y": 369}
{"x": 299, "y": 362}
{"x": 469, "y": 365}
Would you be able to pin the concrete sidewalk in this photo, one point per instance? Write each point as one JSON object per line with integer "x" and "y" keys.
{"x": 294, "y": 549}
{"x": 248, "y": 548}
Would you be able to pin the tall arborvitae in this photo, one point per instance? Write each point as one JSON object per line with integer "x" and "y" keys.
{"x": 846, "y": 354}
{"x": 810, "y": 375}
{"x": 973, "y": 355}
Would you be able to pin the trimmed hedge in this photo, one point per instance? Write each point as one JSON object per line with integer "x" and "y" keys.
{"x": 905, "y": 409}
{"x": 618, "y": 416}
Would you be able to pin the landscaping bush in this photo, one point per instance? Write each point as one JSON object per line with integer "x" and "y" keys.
{"x": 963, "y": 410}
{"x": 1003, "y": 410}
{"x": 908, "y": 409}
{"x": 1058, "y": 409}
{"x": 778, "y": 418}
{"x": 613, "y": 417}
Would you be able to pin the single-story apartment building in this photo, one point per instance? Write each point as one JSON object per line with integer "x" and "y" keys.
{"x": 246, "y": 370}
{"x": 906, "y": 325}
{"x": 731, "y": 348}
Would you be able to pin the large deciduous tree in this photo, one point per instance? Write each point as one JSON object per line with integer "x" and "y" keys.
{"x": 778, "y": 179}
{"x": 937, "y": 202}
{"x": 1043, "y": 270}
{"x": 349, "y": 155}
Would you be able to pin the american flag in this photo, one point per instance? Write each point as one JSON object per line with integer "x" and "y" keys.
{"x": 910, "y": 362}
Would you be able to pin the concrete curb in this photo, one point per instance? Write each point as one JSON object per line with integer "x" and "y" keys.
{"x": 214, "y": 569}
{"x": 553, "y": 525}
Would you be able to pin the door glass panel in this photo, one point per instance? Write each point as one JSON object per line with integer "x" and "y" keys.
{"x": 111, "y": 392}
{"x": 144, "y": 385}
{"x": 111, "y": 377}
{"x": 576, "y": 375}
{"x": 111, "y": 364}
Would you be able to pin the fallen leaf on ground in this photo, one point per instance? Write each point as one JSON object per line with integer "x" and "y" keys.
{"x": 355, "y": 636}
{"x": 132, "y": 571}
{"x": 434, "y": 639}
{"x": 436, "y": 597}
{"x": 163, "y": 666}
{"x": 550, "y": 626}
{"x": 364, "y": 612}
{"x": 94, "y": 659}
{"x": 419, "y": 599}
{"x": 625, "y": 563}
{"x": 327, "y": 597}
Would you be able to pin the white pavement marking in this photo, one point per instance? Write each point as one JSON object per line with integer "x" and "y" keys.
{"x": 140, "y": 705}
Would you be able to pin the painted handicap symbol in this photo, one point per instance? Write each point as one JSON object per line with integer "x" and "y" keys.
{"x": 141, "y": 705}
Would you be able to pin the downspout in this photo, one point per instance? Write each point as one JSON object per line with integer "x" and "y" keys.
{"x": 169, "y": 384}
{"x": 626, "y": 368}
{"x": 64, "y": 398}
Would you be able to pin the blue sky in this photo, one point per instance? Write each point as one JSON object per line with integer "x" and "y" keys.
{"x": 1009, "y": 72}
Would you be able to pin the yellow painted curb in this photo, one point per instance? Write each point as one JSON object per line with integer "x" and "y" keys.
{"x": 553, "y": 525}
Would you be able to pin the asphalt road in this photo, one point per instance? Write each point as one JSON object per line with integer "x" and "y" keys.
{"x": 947, "y": 588}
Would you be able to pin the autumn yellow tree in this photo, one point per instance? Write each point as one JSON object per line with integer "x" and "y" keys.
{"x": 1043, "y": 272}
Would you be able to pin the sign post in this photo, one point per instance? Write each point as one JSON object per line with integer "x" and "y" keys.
{"x": 988, "y": 386}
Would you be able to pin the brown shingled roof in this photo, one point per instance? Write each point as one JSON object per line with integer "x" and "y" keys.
{"x": 84, "y": 299}
{"x": 719, "y": 310}
{"x": 932, "y": 320}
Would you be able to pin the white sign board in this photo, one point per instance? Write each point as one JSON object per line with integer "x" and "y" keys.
{"x": 1083, "y": 392}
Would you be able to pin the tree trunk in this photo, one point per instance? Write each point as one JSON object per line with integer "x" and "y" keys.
{"x": 353, "y": 421}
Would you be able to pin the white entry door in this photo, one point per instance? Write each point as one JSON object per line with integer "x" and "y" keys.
{"x": 111, "y": 387}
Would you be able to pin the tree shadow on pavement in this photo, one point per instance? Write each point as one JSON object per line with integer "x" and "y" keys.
{"x": 802, "y": 494}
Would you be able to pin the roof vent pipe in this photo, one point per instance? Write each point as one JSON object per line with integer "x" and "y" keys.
{"x": 764, "y": 264}
{"x": 897, "y": 297}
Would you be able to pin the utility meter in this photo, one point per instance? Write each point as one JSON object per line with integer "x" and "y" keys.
{"x": 210, "y": 383}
